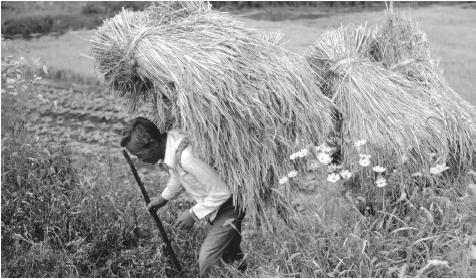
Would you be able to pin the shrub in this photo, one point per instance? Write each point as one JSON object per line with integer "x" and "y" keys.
{"x": 27, "y": 24}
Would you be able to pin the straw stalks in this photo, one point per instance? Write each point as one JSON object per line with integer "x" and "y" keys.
{"x": 244, "y": 100}
{"x": 391, "y": 92}
{"x": 402, "y": 47}
{"x": 376, "y": 104}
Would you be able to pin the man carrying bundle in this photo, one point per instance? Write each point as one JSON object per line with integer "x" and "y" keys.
{"x": 213, "y": 198}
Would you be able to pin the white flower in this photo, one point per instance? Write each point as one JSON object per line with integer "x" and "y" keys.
{"x": 438, "y": 169}
{"x": 333, "y": 167}
{"x": 379, "y": 169}
{"x": 345, "y": 174}
{"x": 333, "y": 177}
{"x": 292, "y": 174}
{"x": 360, "y": 142}
{"x": 381, "y": 182}
{"x": 283, "y": 180}
{"x": 364, "y": 162}
{"x": 324, "y": 158}
{"x": 303, "y": 153}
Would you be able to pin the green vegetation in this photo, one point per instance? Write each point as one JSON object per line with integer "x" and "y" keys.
{"x": 61, "y": 221}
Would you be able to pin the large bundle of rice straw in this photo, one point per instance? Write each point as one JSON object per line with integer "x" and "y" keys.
{"x": 401, "y": 46}
{"x": 245, "y": 101}
{"x": 390, "y": 92}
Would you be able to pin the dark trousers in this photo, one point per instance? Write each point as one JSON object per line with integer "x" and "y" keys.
{"x": 224, "y": 238}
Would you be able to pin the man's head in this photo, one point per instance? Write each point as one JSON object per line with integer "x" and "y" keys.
{"x": 142, "y": 138}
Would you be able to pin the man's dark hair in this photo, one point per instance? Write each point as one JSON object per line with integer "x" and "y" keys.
{"x": 139, "y": 124}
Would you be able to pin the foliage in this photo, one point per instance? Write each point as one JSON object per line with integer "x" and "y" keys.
{"x": 61, "y": 221}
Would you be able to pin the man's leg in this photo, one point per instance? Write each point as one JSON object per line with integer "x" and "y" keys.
{"x": 223, "y": 239}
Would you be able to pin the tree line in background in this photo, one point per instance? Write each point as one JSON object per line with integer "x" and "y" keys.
{"x": 30, "y": 19}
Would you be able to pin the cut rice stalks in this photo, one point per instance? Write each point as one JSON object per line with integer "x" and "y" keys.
{"x": 245, "y": 101}
{"x": 402, "y": 47}
{"x": 376, "y": 104}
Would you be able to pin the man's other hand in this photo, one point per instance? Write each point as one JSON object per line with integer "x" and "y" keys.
{"x": 156, "y": 203}
{"x": 185, "y": 221}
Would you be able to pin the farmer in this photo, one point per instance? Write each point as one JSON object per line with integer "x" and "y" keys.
{"x": 213, "y": 198}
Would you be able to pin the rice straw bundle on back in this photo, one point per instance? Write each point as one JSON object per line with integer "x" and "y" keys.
{"x": 376, "y": 104}
{"x": 402, "y": 47}
{"x": 244, "y": 100}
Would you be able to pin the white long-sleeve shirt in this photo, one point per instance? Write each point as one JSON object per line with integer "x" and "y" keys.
{"x": 196, "y": 177}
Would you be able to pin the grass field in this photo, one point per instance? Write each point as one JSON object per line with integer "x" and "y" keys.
{"x": 70, "y": 207}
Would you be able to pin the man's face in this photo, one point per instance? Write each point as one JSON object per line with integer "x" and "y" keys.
{"x": 148, "y": 153}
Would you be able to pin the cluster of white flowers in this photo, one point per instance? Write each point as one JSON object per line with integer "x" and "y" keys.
{"x": 285, "y": 179}
{"x": 292, "y": 174}
{"x": 300, "y": 154}
{"x": 333, "y": 177}
{"x": 337, "y": 173}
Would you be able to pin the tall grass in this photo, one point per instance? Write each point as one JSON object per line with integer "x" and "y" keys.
{"x": 60, "y": 220}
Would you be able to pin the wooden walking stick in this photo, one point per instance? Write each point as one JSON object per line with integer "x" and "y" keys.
{"x": 163, "y": 234}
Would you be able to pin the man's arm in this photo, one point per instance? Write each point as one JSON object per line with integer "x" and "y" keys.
{"x": 171, "y": 191}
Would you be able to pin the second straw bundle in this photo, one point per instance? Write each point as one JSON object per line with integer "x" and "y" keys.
{"x": 390, "y": 92}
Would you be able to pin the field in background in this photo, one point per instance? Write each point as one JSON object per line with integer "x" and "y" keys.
{"x": 105, "y": 231}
